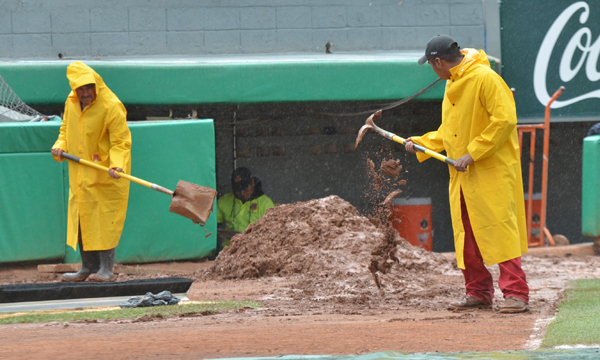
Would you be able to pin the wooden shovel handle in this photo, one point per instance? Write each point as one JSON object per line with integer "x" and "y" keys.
{"x": 391, "y": 136}
{"x": 123, "y": 175}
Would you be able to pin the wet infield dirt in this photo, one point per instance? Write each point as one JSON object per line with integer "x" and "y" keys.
{"x": 288, "y": 325}
{"x": 331, "y": 281}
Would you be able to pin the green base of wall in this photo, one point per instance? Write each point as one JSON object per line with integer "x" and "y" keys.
{"x": 33, "y": 210}
{"x": 590, "y": 192}
{"x": 32, "y": 207}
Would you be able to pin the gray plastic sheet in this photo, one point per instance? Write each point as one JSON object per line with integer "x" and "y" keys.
{"x": 554, "y": 354}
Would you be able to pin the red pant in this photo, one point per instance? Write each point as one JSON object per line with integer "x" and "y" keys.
{"x": 478, "y": 280}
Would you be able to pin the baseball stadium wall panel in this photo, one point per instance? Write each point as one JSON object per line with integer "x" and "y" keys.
{"x": 590, "y": 191}
{"x": 33, "y": 205}
{"x": 269, "y": 78}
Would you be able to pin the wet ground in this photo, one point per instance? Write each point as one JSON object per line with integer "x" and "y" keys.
{"x": 289, "y": 326}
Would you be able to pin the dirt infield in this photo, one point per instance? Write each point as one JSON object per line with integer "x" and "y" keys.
{"x": 332, "y": 282}
{"x": 294, "y": 326}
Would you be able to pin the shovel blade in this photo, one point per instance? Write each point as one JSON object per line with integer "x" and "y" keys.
{"x": 361, "y": 133}
{"x": 193, "y": 201}
{"x": 368, "y": 126}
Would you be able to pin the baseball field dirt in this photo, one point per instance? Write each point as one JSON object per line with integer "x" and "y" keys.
{"x": 288, "y": 325}
{"x": 331, "y": 281}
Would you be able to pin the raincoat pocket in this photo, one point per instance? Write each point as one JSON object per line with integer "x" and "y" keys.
{"x": 100, "y": 176}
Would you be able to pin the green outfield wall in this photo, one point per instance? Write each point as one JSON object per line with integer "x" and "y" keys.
{"x": 33, "y": 202}
{"x": 590, "y": 190}
{"x": 277, "y": 78}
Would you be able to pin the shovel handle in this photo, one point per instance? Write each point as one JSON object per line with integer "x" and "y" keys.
{"x": 420, "y": 148}
{"x": 123, "y": 175}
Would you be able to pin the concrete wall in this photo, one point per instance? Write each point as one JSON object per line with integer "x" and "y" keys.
{"x": 90, "y": 28}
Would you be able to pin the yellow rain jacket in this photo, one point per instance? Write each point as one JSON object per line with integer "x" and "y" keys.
{"x": 96, "y": 200}
{"x": 479, "y": 117}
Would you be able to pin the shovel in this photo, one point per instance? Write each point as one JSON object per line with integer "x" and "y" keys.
{"x": 192, "y": 201}
{"x": 370, "y": 125}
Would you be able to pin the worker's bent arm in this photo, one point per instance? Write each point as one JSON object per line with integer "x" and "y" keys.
{"x": 120, "y": 138}
{"x": 432, "y": 140}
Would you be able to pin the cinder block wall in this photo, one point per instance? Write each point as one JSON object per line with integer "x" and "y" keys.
{"x": 89, "y": 28}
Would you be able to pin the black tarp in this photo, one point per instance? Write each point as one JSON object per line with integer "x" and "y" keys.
{"x": 82, "y": 290}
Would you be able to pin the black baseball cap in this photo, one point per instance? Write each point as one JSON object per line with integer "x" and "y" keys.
{"x": 438, "y": 45}
{"x": 240, "y": 179}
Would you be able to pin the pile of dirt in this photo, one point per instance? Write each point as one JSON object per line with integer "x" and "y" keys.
{"x": 338, "y": 255}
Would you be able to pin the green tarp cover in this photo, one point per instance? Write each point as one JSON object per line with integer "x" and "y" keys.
{"x": 590, "y": 188}
{"x": 320, "y": 77}
{"x": 33, "y": 202}
{"x": 28, "y": 137}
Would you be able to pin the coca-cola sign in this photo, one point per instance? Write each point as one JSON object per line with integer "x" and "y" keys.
{"x": 551, "y": 43}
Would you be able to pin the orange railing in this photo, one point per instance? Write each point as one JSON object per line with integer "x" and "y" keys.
{"x": 531, "y": 129}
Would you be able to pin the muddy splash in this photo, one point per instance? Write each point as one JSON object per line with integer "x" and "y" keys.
{"x": 378, "y": 183}
{"x": 390, "y": 197}
{"x": 391, "y": 168}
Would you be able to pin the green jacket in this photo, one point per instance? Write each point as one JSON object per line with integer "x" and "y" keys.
{"x": 238, "y": 215}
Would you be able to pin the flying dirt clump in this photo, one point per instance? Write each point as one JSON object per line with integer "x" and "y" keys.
{"x": 378, "y": 182}
{"x": 391, "y": 168}
{"x": 335, "y": 253}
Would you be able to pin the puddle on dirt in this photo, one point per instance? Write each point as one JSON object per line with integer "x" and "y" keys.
{"x": 556, "y": 354}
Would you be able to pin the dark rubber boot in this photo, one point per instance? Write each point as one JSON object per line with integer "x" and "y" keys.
{"x": 107, "y": 263}
{"x": 89, "y": 264}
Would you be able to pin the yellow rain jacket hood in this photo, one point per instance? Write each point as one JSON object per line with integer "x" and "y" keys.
{"x": 479, "y": 117}
{"x": 97, "y": 202}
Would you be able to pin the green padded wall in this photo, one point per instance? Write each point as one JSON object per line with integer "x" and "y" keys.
{"x": 235, "y": 80}
{"x": 590, "y": 188}
{"x": 163, "y": 153}
{"x": 33, "y": 219}
{"x": 26, "y": 137}
{"x": 33, "y": 202}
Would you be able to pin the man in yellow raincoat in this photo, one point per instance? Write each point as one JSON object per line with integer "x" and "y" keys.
{"x": 94, "y": 127}
{"x": 486, "y": 188}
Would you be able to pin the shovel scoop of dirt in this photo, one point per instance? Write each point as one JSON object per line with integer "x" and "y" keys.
{"x": 193, "y": 201}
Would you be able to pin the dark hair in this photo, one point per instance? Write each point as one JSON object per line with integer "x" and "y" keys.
{"x": 240, "y": 179}
{"x": 452, "y": 55}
